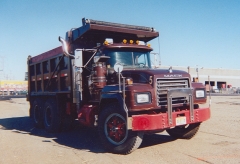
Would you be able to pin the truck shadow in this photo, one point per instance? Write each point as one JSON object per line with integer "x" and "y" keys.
{"x": 78, "y": 138}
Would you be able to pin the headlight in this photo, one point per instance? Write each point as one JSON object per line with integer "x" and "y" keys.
{"x": 143, "y": 98}
{"x": 200, "y": 93}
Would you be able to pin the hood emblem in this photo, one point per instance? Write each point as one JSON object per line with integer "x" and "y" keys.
{"x": 170, "y": 70}
{"x": 173, "y": 75}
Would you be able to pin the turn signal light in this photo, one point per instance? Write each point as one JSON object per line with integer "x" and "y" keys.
{"x": 129, "y": 81}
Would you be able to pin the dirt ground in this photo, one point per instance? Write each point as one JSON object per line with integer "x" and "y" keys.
{"x": 218, "y": 140}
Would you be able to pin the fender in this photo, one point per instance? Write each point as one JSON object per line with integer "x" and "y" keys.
{"x": 111, "y": 97}
{"x": 110, "y": 94}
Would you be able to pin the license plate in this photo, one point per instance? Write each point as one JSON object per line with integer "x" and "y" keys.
{"x": 181, "y": 121}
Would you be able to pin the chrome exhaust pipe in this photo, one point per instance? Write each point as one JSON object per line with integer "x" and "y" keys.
{"x": 65, "y": 47}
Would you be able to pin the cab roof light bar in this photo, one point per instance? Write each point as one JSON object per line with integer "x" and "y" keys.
{"x": 91, "y": 21}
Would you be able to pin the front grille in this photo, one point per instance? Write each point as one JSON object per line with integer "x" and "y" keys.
{"x": 164, "y": 84}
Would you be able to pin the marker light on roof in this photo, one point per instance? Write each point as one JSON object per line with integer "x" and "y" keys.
{"x": 137, "y": 42}
{"x": 131, "y": 41}
{"x": 149, "y": 45}
{"x": 124, "y": 41}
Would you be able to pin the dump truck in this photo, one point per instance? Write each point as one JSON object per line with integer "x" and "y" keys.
{"x": 102, "y": 76}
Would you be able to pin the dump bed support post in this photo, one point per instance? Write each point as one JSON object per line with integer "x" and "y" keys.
{"x": 180, "y": 92}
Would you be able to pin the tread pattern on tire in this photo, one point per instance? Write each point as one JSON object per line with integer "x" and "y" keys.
{"x": 56, "y": 119}
{"x": 135, "y": 145}
{"x": 39, "y": 123}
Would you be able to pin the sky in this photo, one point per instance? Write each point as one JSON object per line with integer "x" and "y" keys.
{"x": 195, "y": 33}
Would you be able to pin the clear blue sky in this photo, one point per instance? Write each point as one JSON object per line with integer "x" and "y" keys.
{"x": 192, "y": 32}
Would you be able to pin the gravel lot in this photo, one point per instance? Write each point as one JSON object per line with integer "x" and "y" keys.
{"x": 218, "y": 140}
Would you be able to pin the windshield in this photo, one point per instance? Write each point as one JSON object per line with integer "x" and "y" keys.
{"x": 128, "y": 58}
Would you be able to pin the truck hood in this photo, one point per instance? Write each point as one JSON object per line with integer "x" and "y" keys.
{"x": 158, "y": 73}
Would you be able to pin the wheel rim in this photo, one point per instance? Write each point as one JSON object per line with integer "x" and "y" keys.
{"x": 48, "y": 116}
{"x": 115, "y": 129}
{"x": 36, "y": 113}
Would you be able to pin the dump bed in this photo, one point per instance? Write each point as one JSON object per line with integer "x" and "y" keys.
{"x": 49, "y": 72}
{"x": 47, "y": 55}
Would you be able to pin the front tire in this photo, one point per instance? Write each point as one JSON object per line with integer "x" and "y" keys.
{"x": 184, "y": 132}
{"x": 113, "y": 131}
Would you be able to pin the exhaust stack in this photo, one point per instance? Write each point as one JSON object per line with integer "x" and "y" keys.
{"x": 65, "y": 47}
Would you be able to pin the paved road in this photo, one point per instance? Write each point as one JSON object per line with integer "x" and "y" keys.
{"x": 218, "y": 140}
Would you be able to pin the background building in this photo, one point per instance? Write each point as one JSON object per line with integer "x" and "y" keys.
{"x": 219, "y": 78}
{"x": 8, "y": 87}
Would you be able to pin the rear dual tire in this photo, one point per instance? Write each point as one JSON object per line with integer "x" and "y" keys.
{"x": 37, "y": 113}
{"x": 52, "y": 117}
{"x": 46, "y": 115}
